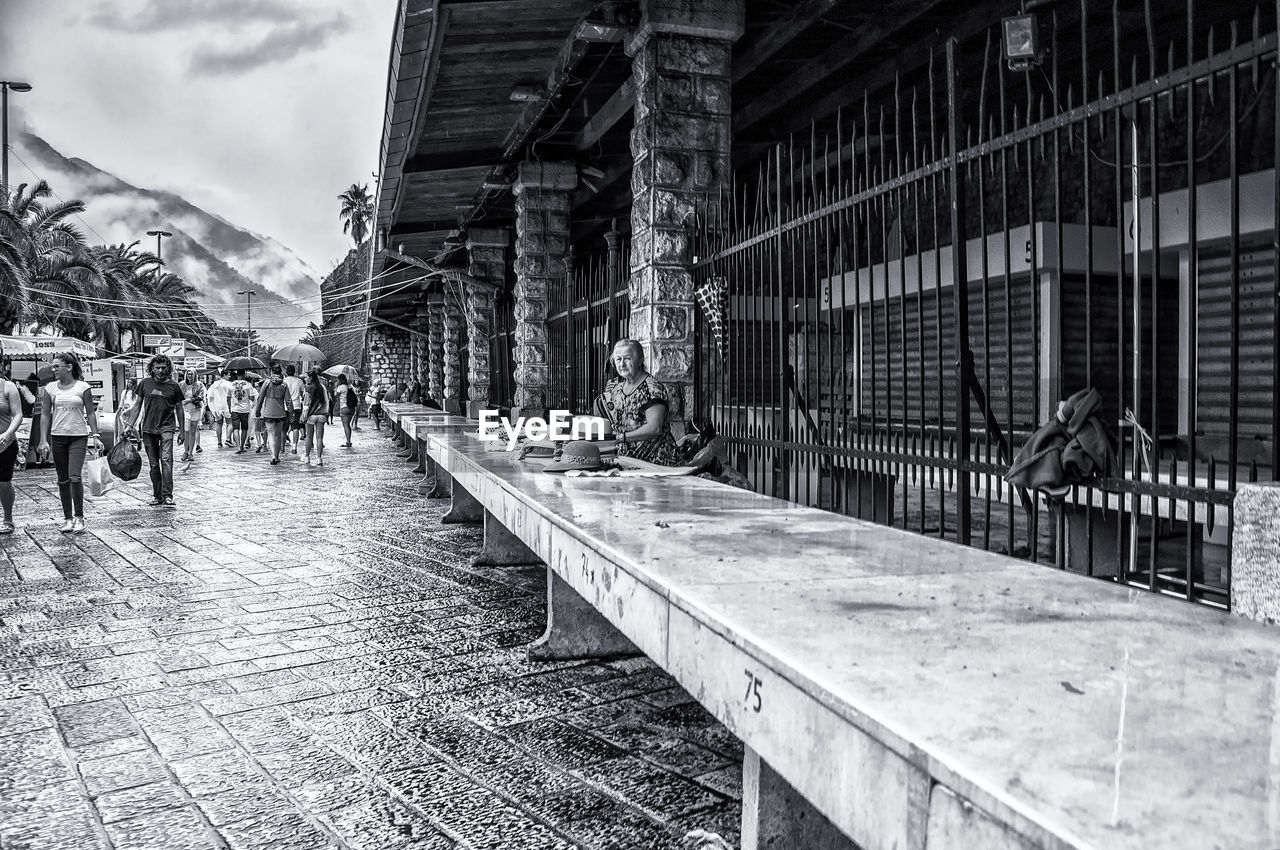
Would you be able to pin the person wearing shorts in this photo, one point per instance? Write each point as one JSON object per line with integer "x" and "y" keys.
{"x": 241, "y": 403}
{"x": 274, "y": 410}
{"x": 10, "y": 421}
{"x": 315, "y": 416}
{"x": 219, "y": 398}
{"x": 297, "y": 394}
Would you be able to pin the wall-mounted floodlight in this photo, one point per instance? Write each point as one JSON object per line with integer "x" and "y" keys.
{"x": 1021, "y": 41}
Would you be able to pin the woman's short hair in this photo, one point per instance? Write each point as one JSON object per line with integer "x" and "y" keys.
{"x": 637, "y": 350}
{"x": 71, "y": 360}
{"x": 159, "y": 360}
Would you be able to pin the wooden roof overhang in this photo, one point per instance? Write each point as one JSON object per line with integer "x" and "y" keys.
{"x": 456, "y": 71}
{"x": 453, "y": 133}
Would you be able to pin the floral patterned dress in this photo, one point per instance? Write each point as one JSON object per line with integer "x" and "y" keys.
{"x": 626, "y": 412}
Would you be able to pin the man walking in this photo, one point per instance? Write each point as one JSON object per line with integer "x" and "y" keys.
{"x": 159, "y": 416}
{"x": 219, "y": 397}
{"x": 242, "y": 396}
{"x": 297, "y": 392}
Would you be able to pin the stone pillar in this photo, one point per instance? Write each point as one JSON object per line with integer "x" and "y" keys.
{"x": 413, "y": 353}
{"x": 1255, "y": 552}
{"x": 421, "y": 348}
{"x": 680, "y": 66}
{"x": 487, "y": 252}
{"x": 388, "y": 355}
{"x": 435, "y": 345}
{"x": 542, "y": 192}
{"x": 450, "y": 360}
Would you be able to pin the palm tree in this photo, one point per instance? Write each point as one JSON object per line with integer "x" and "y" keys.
{"x": 356, "y": 212}
{"x": 48, "y": 269}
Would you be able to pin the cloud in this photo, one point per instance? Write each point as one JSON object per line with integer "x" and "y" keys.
{"x": 279, "y": 45}
{"x": 162, "y": 15}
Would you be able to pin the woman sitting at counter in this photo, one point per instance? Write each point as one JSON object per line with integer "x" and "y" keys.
{"x": 636, "y": 406}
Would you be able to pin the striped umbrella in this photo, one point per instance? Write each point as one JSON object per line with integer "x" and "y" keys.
{"x": 713, "y": 298}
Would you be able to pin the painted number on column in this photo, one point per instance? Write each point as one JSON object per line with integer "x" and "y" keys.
{"x": 753, "y": 698}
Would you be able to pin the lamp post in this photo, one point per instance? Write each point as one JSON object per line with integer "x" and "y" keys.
{"x": 159, "y": 235}
{"x": 5, "y": 86}
{"x": 248, "y": 336}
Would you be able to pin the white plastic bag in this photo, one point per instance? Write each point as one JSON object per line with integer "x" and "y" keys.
{"x": 97, "y": 475}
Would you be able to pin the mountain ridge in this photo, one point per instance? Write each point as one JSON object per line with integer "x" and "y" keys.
{"x": 214, "y": 255}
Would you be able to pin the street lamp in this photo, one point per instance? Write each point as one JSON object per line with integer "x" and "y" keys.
{"x": 158, "y": 234}
{"x": 248, "y": 336}
{"x": 5, "y": 86}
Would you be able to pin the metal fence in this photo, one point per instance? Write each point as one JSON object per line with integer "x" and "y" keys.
{"x": 914, "y": 287}
{"x": 585, "y": 318}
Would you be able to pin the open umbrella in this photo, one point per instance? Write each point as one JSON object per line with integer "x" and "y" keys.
{"x": 342, "y": 369}
{"x": 299, "y": 352}
{"x": 237, "y": 364}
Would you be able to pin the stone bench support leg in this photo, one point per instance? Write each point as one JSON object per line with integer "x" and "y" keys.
{"x": 413, "y": 451}
{"x": 502, "y": 548}
{"x": 422, "y": 457}
{"x": 465, "y": 507}
{"x": 575, "y": 629}
{"x": 442, "y": 484}
{"x": 775, "y": 816}
{"x": 430, "y": 473}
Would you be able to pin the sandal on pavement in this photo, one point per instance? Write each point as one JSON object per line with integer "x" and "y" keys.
{"x": 168, "y": 501}
{"x": 7, "y": 528}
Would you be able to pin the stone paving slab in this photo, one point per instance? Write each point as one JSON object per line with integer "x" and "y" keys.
{"x": 301, "y": 657}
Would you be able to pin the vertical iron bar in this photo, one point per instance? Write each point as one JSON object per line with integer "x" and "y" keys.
{"x": 1118, "y": 142}
{"x": 781, "y": 318}
{"x": 959, "y": 270}
{"x": 1193, "y": 297}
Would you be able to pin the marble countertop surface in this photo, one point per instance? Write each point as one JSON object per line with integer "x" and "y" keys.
{"x": 1109, "y": 716}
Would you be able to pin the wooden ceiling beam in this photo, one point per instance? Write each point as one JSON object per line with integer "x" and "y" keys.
{"x": 911, "y": 58}
{"x": 618, "y": 105}
{"x": 407, "y": 228}
{"x": 778, "y": 36}
{"x": 827, "y": 64}
{"x": 470, "y": 158}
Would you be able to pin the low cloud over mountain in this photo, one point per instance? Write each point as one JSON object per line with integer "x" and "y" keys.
{"x": 211, "y": 254}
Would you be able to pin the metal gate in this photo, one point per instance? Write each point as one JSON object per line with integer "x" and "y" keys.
{"x": 914, "y": 287}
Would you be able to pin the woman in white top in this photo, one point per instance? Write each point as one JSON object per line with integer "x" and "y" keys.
{"x": 69, "y": 421}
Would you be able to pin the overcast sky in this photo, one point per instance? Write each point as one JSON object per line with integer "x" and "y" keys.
{"x": 260, "y": 111}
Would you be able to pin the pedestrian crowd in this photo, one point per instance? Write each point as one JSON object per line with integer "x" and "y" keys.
{"x": 273, "y": 416}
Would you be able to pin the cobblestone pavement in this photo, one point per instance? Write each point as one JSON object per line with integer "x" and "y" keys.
{"x": 299, "y": 658}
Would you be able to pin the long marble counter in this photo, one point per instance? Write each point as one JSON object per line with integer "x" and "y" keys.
{"x": 896, "y": 681}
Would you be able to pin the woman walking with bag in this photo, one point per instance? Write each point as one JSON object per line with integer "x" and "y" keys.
{"x": 315, "y": 415}
{"x": 68, "y": 422}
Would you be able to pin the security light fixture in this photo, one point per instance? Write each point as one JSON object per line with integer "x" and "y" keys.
{"x": 1021, "y": 41}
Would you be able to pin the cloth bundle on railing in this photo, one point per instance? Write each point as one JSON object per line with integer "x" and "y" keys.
{"x": 713, "y": 298}
{"x": 1071, "y": 448}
